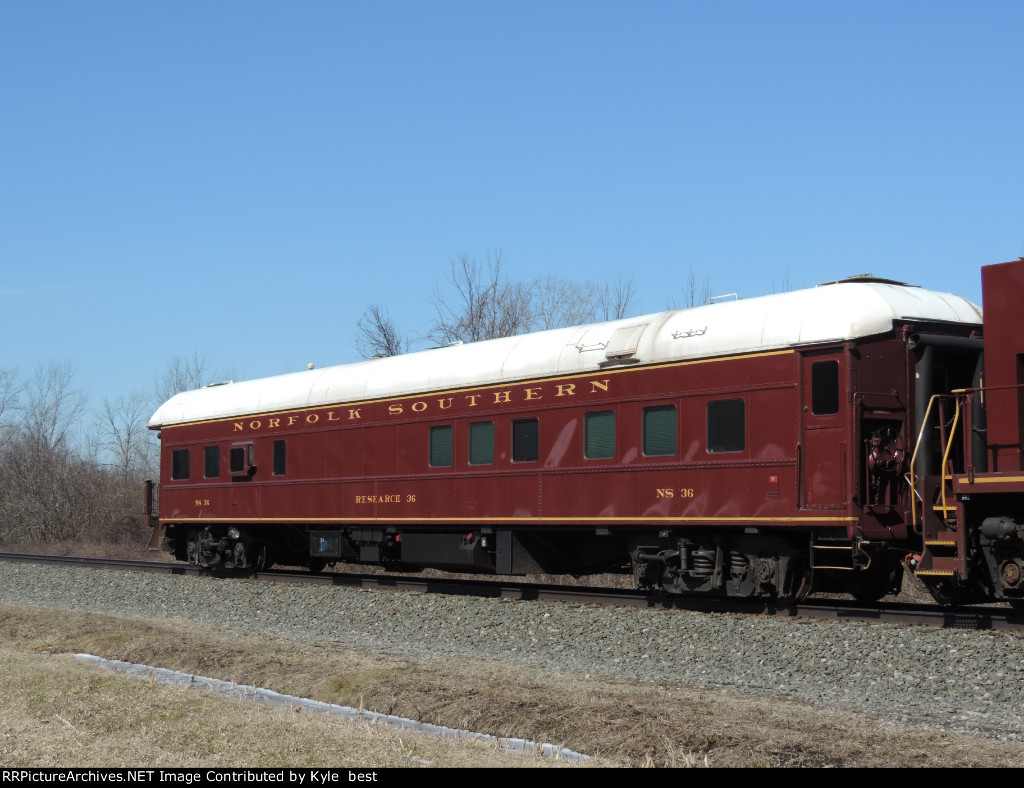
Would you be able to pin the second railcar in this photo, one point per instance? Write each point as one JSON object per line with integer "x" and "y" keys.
{"x": 755, "y": 447}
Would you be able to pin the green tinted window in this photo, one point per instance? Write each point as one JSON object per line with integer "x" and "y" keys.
{"x": 600, "y": 435}
{"x": 660, "y": 430}
{"x": 481, "y": 443}
{"x": 441, "y": 447}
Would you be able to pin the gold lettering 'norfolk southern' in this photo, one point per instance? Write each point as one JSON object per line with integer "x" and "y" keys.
{"x": 337, "y": 415}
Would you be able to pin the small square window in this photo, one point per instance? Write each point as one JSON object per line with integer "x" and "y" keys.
{"x": 241, "y": 458}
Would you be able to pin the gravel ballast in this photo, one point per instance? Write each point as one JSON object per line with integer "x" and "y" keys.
{"x": 956, "y": 680}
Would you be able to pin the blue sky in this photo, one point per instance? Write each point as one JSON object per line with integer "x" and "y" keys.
{"x": 243, "y": 179}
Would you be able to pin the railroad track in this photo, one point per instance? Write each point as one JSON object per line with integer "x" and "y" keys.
{"x": 969, "y": 617}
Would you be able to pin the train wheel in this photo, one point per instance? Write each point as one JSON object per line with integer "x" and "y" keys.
{"x": 871, "y": 587}
{"x": 802, "y": 580}
{"x": 198, "y": 549}
{"x": 882, "y": 577}
{"x": 317, "y": 565}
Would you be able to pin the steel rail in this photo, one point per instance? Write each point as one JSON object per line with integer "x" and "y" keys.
{"x": 973, "y": 617}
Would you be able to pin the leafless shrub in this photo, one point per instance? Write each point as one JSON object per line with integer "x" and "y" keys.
{"x": 53, "y": 482}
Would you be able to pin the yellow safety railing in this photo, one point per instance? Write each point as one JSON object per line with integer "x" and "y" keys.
{"x": 912, "y": 477}
{"x": 945, "y": 455}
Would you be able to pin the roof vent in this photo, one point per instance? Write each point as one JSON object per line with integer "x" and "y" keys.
{"x": 864, "y": 279}
{"x": 621, "y": 347}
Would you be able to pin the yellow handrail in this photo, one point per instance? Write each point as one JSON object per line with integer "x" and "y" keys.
{"x": 913, "y": 459}
{"x": 945, "y": 456}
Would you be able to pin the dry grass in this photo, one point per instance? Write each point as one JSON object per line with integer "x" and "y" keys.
{"x": 59, "y": 713}
{"x": 638, "y": 725}
{"x": 85, "y": 549}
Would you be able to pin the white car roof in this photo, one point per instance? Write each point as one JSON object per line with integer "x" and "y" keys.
{"x": 829, "y": 313}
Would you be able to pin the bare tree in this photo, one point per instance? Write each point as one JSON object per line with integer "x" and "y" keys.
{"x": 694, "y": 293}
{"x": 123, "y": 436}
{"x": 481, "y": 302}
{"x": 558, "y": 302}
{"x": 787, "y": 284}
{"x": 54, "y": 486}
{"x": 45, "y": 490}
{"x": 378, "y": 335}
{"x": 186, "y": 374}
{"x": 52, "y": 406}
{"x": 616, "y": 300}
{"x": 10, "y": 395}
{"x": 485, "y": 304}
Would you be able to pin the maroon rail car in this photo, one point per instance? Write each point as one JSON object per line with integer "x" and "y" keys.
{"x": 752, "y": 448}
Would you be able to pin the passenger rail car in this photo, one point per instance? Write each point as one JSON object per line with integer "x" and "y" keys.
{"x": 760, "y": 447}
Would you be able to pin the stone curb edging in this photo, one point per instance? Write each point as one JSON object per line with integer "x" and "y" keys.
{"x": 267, "y": 697}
